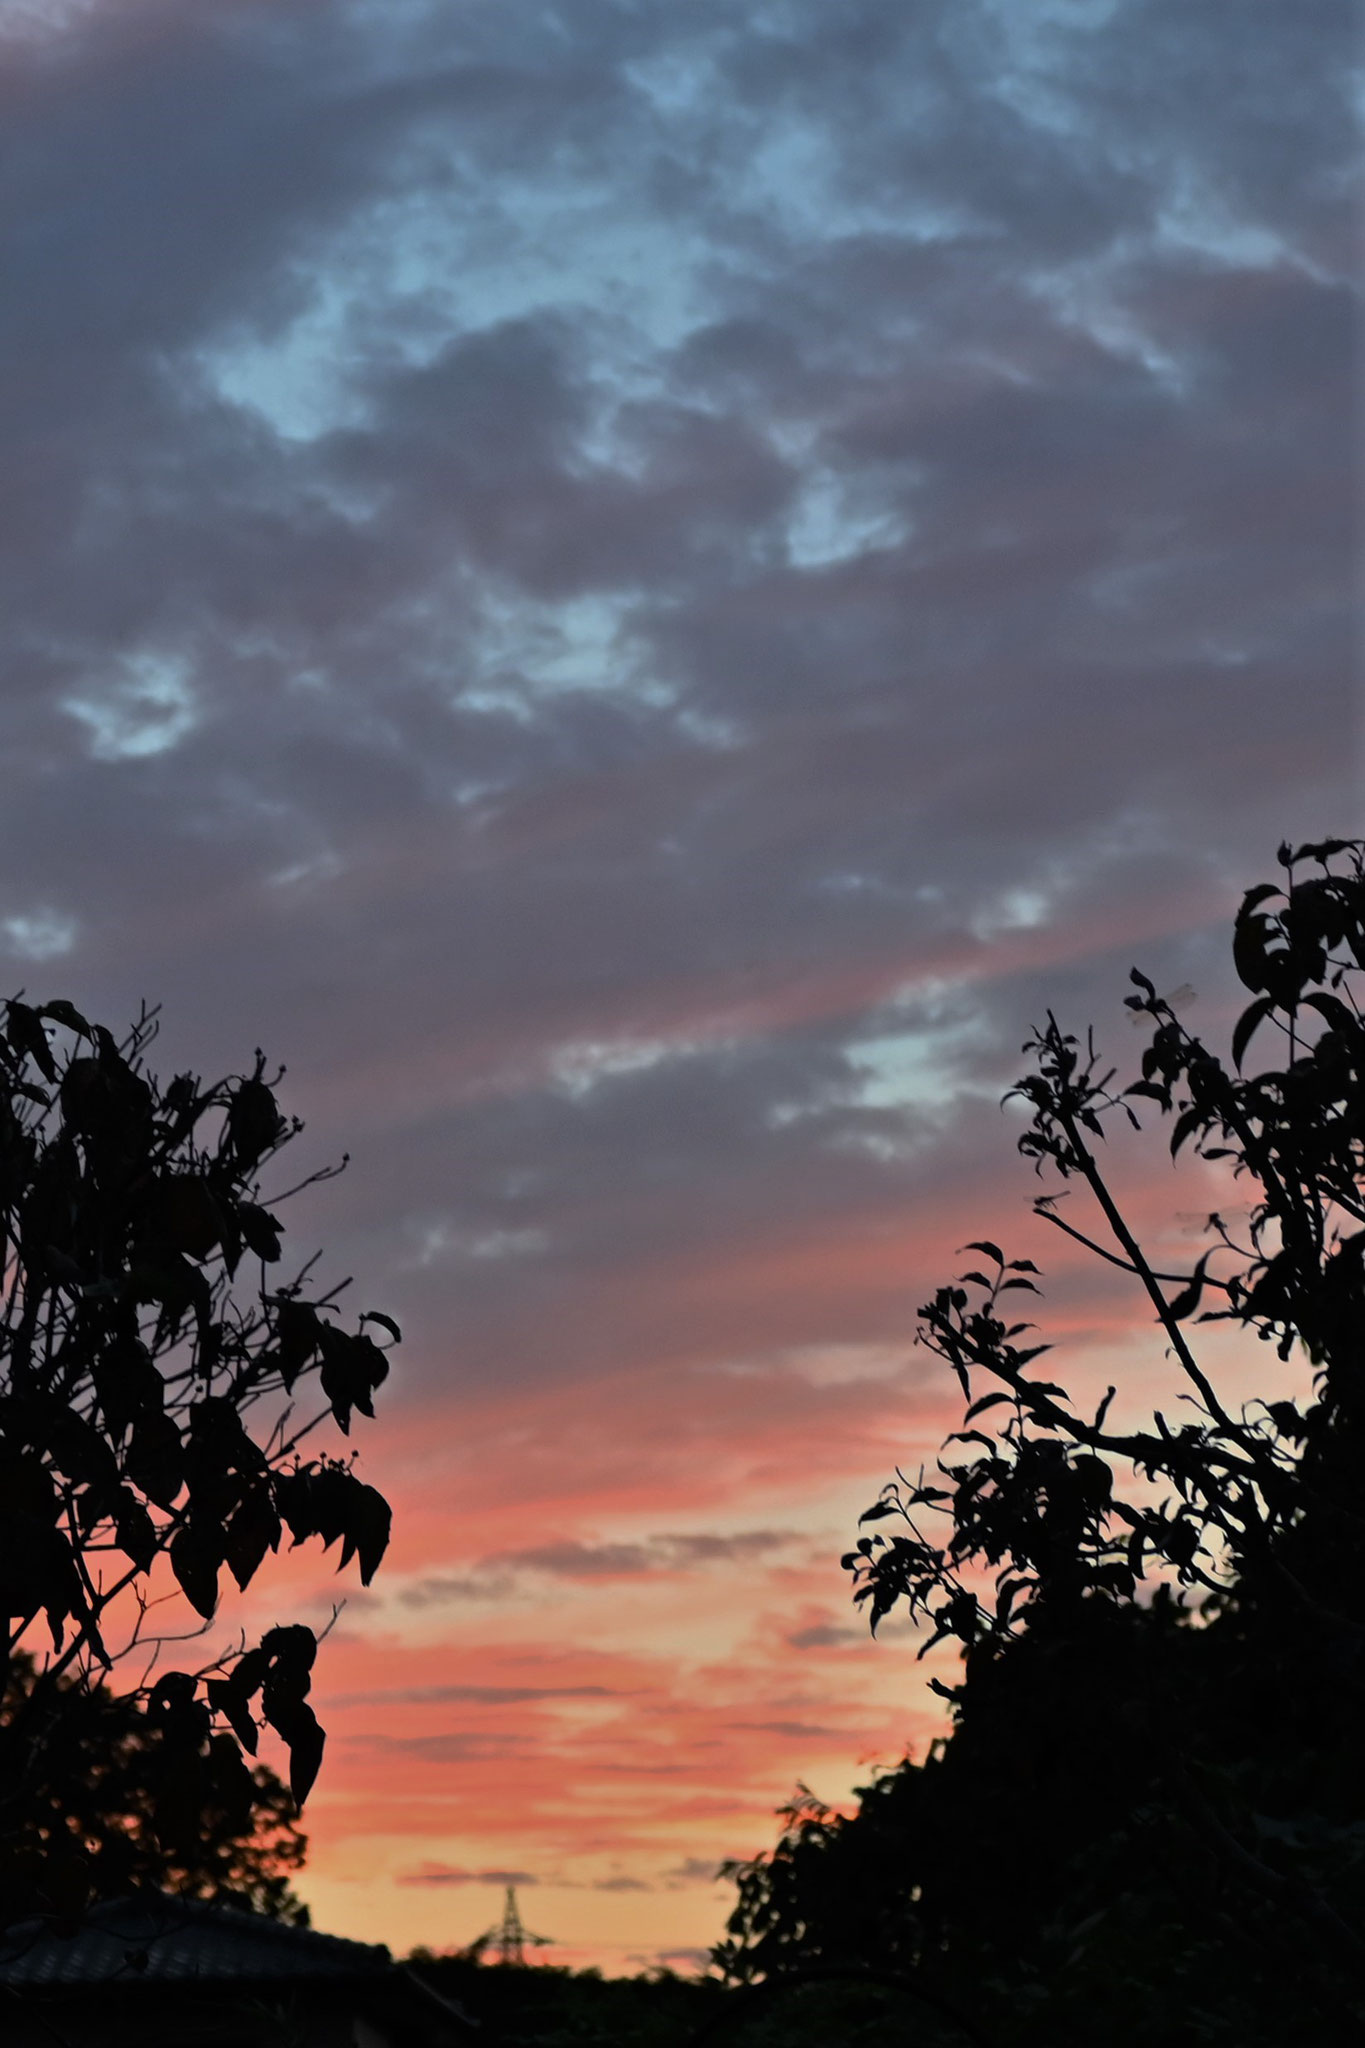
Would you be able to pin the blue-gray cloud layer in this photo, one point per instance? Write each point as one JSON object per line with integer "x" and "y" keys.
{"x": 554, "y": 560}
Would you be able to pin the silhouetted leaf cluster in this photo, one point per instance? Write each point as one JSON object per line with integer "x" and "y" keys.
{"x": 1148, "y": 1820}
{"x": 151, "y": 1437}
{"x": 543, "y": 2006}
{"x": 128, "y": 1812}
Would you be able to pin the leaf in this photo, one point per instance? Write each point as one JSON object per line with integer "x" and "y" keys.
{"x": 26, "y": 1035}
{"x": 254, "y": 1122}
{"x": 368, "y": 1529}
{"x": 251, "y": 1670}
{"x": 1186, "y": 1123}
{"x": 1288, "y": 1420}
{"x": 1187, "y": 1301}
{"x": 195, "y": 1558}
{"x": 62, "y": 1012}
{"x": 1249, "y": 952}
{"x": 1334, "y": 1010}
{"x": 294, "y": 1500}
{"x": 1094, "y": 1478}
{"x": 352, "y": 1367}
{"x": 127, "y": 1385}
{"x": 80, "y": 1453}
{"x": 1253, "y": 1016}
{"x": 306, "y": 1740}
{"x": 992, "y": 1251}
{"x": 155, "y": 1460}
{"x": 986, "y": 1401}
{"x": 298, "y": 1332}
{"x": 253, "y": 1530}
{"x": 108, "y": 1105}
{"x": 261, "y": 1231}
{"x": 227, "y": 1697}
{"x": 1260, "y": 894}
{"x": 219, "y": 1442}
{"x": 135, "y": 1531}
{"x": 879, "y": 1511}
{"x": 373, "y": 1315}
{"x": 292, "y": 1650}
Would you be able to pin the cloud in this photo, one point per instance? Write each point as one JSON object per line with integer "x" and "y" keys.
{"x": 497, "y": 1576}
{"x": 693, "y": 1870}
{"x": 448, "y": 1747}
{"x": 825, "y": 1635}
{"x": 441, "y": 1590}
{"x": 791, "y": 1731}
{"x": 473, "y": 1695}
{"x": 579, "y": 1560}
{"x": 38, "y": 935}
{"x": 443, "y": 1874}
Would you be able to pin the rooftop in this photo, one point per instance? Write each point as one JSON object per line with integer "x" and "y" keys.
{"x": 159, "y": 1939}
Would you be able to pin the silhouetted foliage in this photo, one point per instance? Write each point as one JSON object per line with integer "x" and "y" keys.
{"x": 105, "y": 1807}
{"x": 150, "y": 1439}
{"x": 1148, "y": 1820}
{"x": 544, "y": 2006}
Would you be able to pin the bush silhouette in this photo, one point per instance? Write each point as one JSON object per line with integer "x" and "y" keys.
{"x": 152, "y": 1438}
{"x": 1147, "y": 1822}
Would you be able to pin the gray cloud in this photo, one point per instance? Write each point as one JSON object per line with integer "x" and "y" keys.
{"x": 448, "y": 1748}
{"x": 449, "y": 1874}
{"x": 694, "y": 1870}
{"x": 473, "y": 1695}
{"x": 551, "y": 578}
{"x": 825, "y": 1635}
{"x": 576, "y": 1560}
{"x": 499, "y": 1574}
{"x": 794, "y": 1731}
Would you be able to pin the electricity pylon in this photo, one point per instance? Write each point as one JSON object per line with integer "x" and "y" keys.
{"x": 512, "y": 1935}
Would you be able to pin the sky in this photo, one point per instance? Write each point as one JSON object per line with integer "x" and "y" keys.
{"x": 634, "y": 591}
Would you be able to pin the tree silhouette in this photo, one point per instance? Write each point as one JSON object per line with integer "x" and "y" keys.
{"x": 104, "y": 1812}
{"x": 1148, "y": 1819}
{"x": 151, "y": 1437}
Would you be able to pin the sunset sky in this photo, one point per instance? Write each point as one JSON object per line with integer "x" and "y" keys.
{"x": 634, "y": 588}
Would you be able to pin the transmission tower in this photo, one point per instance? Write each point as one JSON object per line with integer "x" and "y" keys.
{"x": 512, "y": 1937}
